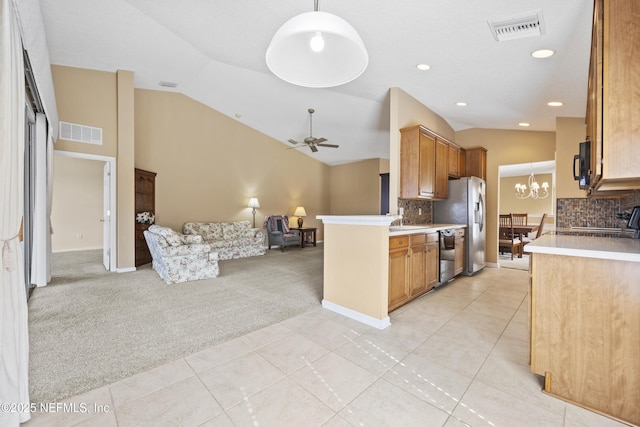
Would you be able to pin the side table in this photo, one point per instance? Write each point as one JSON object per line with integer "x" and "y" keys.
{"x": 303, "y": 235}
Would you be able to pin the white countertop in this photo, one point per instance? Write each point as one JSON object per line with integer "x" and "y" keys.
{"x": 620, "y": 249}
{"x": 421, "y": 228}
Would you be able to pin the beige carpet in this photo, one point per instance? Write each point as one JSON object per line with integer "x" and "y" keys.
{"x": 89, "y": 327}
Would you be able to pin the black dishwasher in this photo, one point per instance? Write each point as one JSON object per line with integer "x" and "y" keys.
{"x": 447, "y": 255}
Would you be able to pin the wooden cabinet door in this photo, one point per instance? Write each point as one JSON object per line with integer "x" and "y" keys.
{"x": 427, "y": 166}
{"x": 454, "y": 161}
{"x": 441, "y": 174}
{"x": 418, "y": 265}
{"x": 433, "y": 261}
{"x": 398, "y": 271}
{"x": 476, "y": 162}
{"x": 409, "y": 162}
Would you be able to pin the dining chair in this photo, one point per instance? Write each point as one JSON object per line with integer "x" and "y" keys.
{"x": 520, "y": 219}
{"x": 507, "y": 239}
{"x": 526, "y": 240}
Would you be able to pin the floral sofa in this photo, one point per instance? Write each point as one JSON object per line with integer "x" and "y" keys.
{"x": 180, "y": 258}
{"x": 229, "y": 239}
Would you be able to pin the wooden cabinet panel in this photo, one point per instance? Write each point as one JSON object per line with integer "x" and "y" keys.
{"x": 462, "y": 156}
{"x": 613, "y": 110}
{"x": 441, "y": 170}
{"x": 145, "y": 201}
{"x": 433, "y": 262}
{"x": 454, "y": 161}
{"x": 423, "y": 164}
{"x": 418, "y": 265}
{"x": 476, "y": 162}
{"x": 459, "y": 257}
{"x": 398, "y": 271}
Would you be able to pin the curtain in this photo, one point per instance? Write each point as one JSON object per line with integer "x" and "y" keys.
{"x": 14, "y": 337}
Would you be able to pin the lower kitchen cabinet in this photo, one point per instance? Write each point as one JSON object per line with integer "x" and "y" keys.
{"x": 460, "y": 252}
{"x": 413, "y": 267}
{"x": 398, "y": 271}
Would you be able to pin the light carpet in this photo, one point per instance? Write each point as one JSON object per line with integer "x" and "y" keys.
{"x": 90, "y": 327}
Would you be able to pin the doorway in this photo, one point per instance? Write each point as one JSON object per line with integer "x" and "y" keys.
{"x": 508, "y": 177}
{"x": 84, "y": 205}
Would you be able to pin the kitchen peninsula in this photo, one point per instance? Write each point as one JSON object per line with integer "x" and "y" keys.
{"x": 584, "y": 321}
{"x": 356, "y": 264}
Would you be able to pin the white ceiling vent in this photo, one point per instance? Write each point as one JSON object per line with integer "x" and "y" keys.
{"x": 517, "y": 27}
{"x": 80, "y": 133}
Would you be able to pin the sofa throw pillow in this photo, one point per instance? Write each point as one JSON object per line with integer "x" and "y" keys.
{"x": 171, "y": 236}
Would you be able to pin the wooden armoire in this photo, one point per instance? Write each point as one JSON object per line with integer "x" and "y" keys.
{"x": 145, "y": 188}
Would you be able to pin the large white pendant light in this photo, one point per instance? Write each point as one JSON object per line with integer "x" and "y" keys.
{"x": 317, "y": 49}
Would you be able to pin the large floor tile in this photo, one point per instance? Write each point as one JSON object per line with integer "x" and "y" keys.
{"x": 372, "y": 354}
{"x": 147, "y": 382}
{"x": 469, "y": 336}
{"x": 283, "y": 404}
{"x": 292, "y": 352}
{"x": 483, "y": 405}
{"x": 385, "y": 404}
{"x": 579, "y": 417}
{"x": 429, "y": 381}
{"x": 186, "y": 403}
{"x": 448, "y": 352}
{"x": 207, "y": 359}
{"x": 240, "y": 378}
{"x": 334, "y": 380}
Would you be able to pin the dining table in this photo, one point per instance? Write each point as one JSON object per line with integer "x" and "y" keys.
{"x": 520, "y": 230}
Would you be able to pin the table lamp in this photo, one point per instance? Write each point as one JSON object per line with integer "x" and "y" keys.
{"x": 300, "y": 212}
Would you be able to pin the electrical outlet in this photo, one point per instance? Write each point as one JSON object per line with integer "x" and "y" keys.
{"x": 80, "y": 236}
{"x": 419, "y": 211}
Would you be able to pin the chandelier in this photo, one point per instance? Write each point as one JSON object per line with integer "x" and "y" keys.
{"x": 535, "y": 190}
{"x": 317, "y": 49}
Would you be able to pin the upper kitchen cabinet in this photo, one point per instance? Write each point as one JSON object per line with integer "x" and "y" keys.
{"x": 476, "y": 162}
{"x": 613, "y": 103}
{"x": 423, "y": 164}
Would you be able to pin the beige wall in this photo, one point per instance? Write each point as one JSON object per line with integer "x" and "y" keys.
{"x": 509, "y": 203}
{"x": 569, "y": 133}
{"x": 87, "y": 97}
{"x": 355, "y": 188}
{"x": 76, "y": 211}
{"x": 405, "y": 111}
{"x": 209, "y": 165}
{"x": 505, "y": 147}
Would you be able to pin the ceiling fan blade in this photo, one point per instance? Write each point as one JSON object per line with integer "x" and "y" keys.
{"x": 328, "y": 145}
{"x": 313, "y": 148}
{"x": 320, "y": 140}
{"x": 293, "y": 141}
{"x": 295, "y": 148}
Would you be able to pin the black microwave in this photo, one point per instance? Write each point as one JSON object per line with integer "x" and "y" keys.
{"x": 583, "y": 159}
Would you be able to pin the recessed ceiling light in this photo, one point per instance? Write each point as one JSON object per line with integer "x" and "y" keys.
{"x": 423, "y": 67}
{"x": 555, "y": 104}
{"x": 542, "y": 53}
{"x": 524, "y": 124}
{"x": 238, "y": 115}
{"x": 461, "y": 104}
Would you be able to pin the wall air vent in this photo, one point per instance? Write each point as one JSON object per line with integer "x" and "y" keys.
{"x": 80, "y": 133}
{"x": 517, "y": 27}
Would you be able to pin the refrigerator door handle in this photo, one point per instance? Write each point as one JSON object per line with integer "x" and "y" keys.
{"x": 480, "y": 211}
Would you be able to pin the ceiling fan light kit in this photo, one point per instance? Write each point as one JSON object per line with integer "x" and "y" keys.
{"x": 317, "y": 49}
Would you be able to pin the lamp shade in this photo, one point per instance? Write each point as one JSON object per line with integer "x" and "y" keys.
{"x": 253, "y": 202}
{"x": 317, "y": 49}
{"x": 300, "y": 211}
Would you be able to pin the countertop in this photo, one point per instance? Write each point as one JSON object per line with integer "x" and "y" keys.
{"x": 619, "y": 249}
{"x": 421, "y": 228}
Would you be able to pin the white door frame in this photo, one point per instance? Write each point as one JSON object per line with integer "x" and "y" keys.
{"x": 111, "y": 245}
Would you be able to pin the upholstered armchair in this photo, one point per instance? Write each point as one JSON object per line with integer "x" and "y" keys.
{"x": 279, "y": 233}
{"x": 178, "y": 257}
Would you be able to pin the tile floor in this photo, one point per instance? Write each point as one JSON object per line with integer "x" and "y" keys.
{"x": 454, "y": 357}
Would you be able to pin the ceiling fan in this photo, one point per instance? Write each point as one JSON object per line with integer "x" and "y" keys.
{"x": 312, "y": 142}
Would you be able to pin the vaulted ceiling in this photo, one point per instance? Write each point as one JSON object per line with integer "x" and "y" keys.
{"x": 215, "y": 51}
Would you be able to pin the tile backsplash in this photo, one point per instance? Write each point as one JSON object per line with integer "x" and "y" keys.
{"x": 594, "y": 212}
{"x": 416, "y": 211}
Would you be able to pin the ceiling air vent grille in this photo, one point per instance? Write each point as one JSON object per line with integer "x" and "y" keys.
{"x": 80, "y": 133}
{"x": 517, "y": 27}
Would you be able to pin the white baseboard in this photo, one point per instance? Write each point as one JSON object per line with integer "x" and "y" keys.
{"x": 356, "y": 315}
{"x": 125, "y": 270}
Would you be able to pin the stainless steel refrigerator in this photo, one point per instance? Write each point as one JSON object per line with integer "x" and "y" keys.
{"x": 466, "y": 205}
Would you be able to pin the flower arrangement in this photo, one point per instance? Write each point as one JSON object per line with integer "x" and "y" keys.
{"x": 145, "y": 218}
